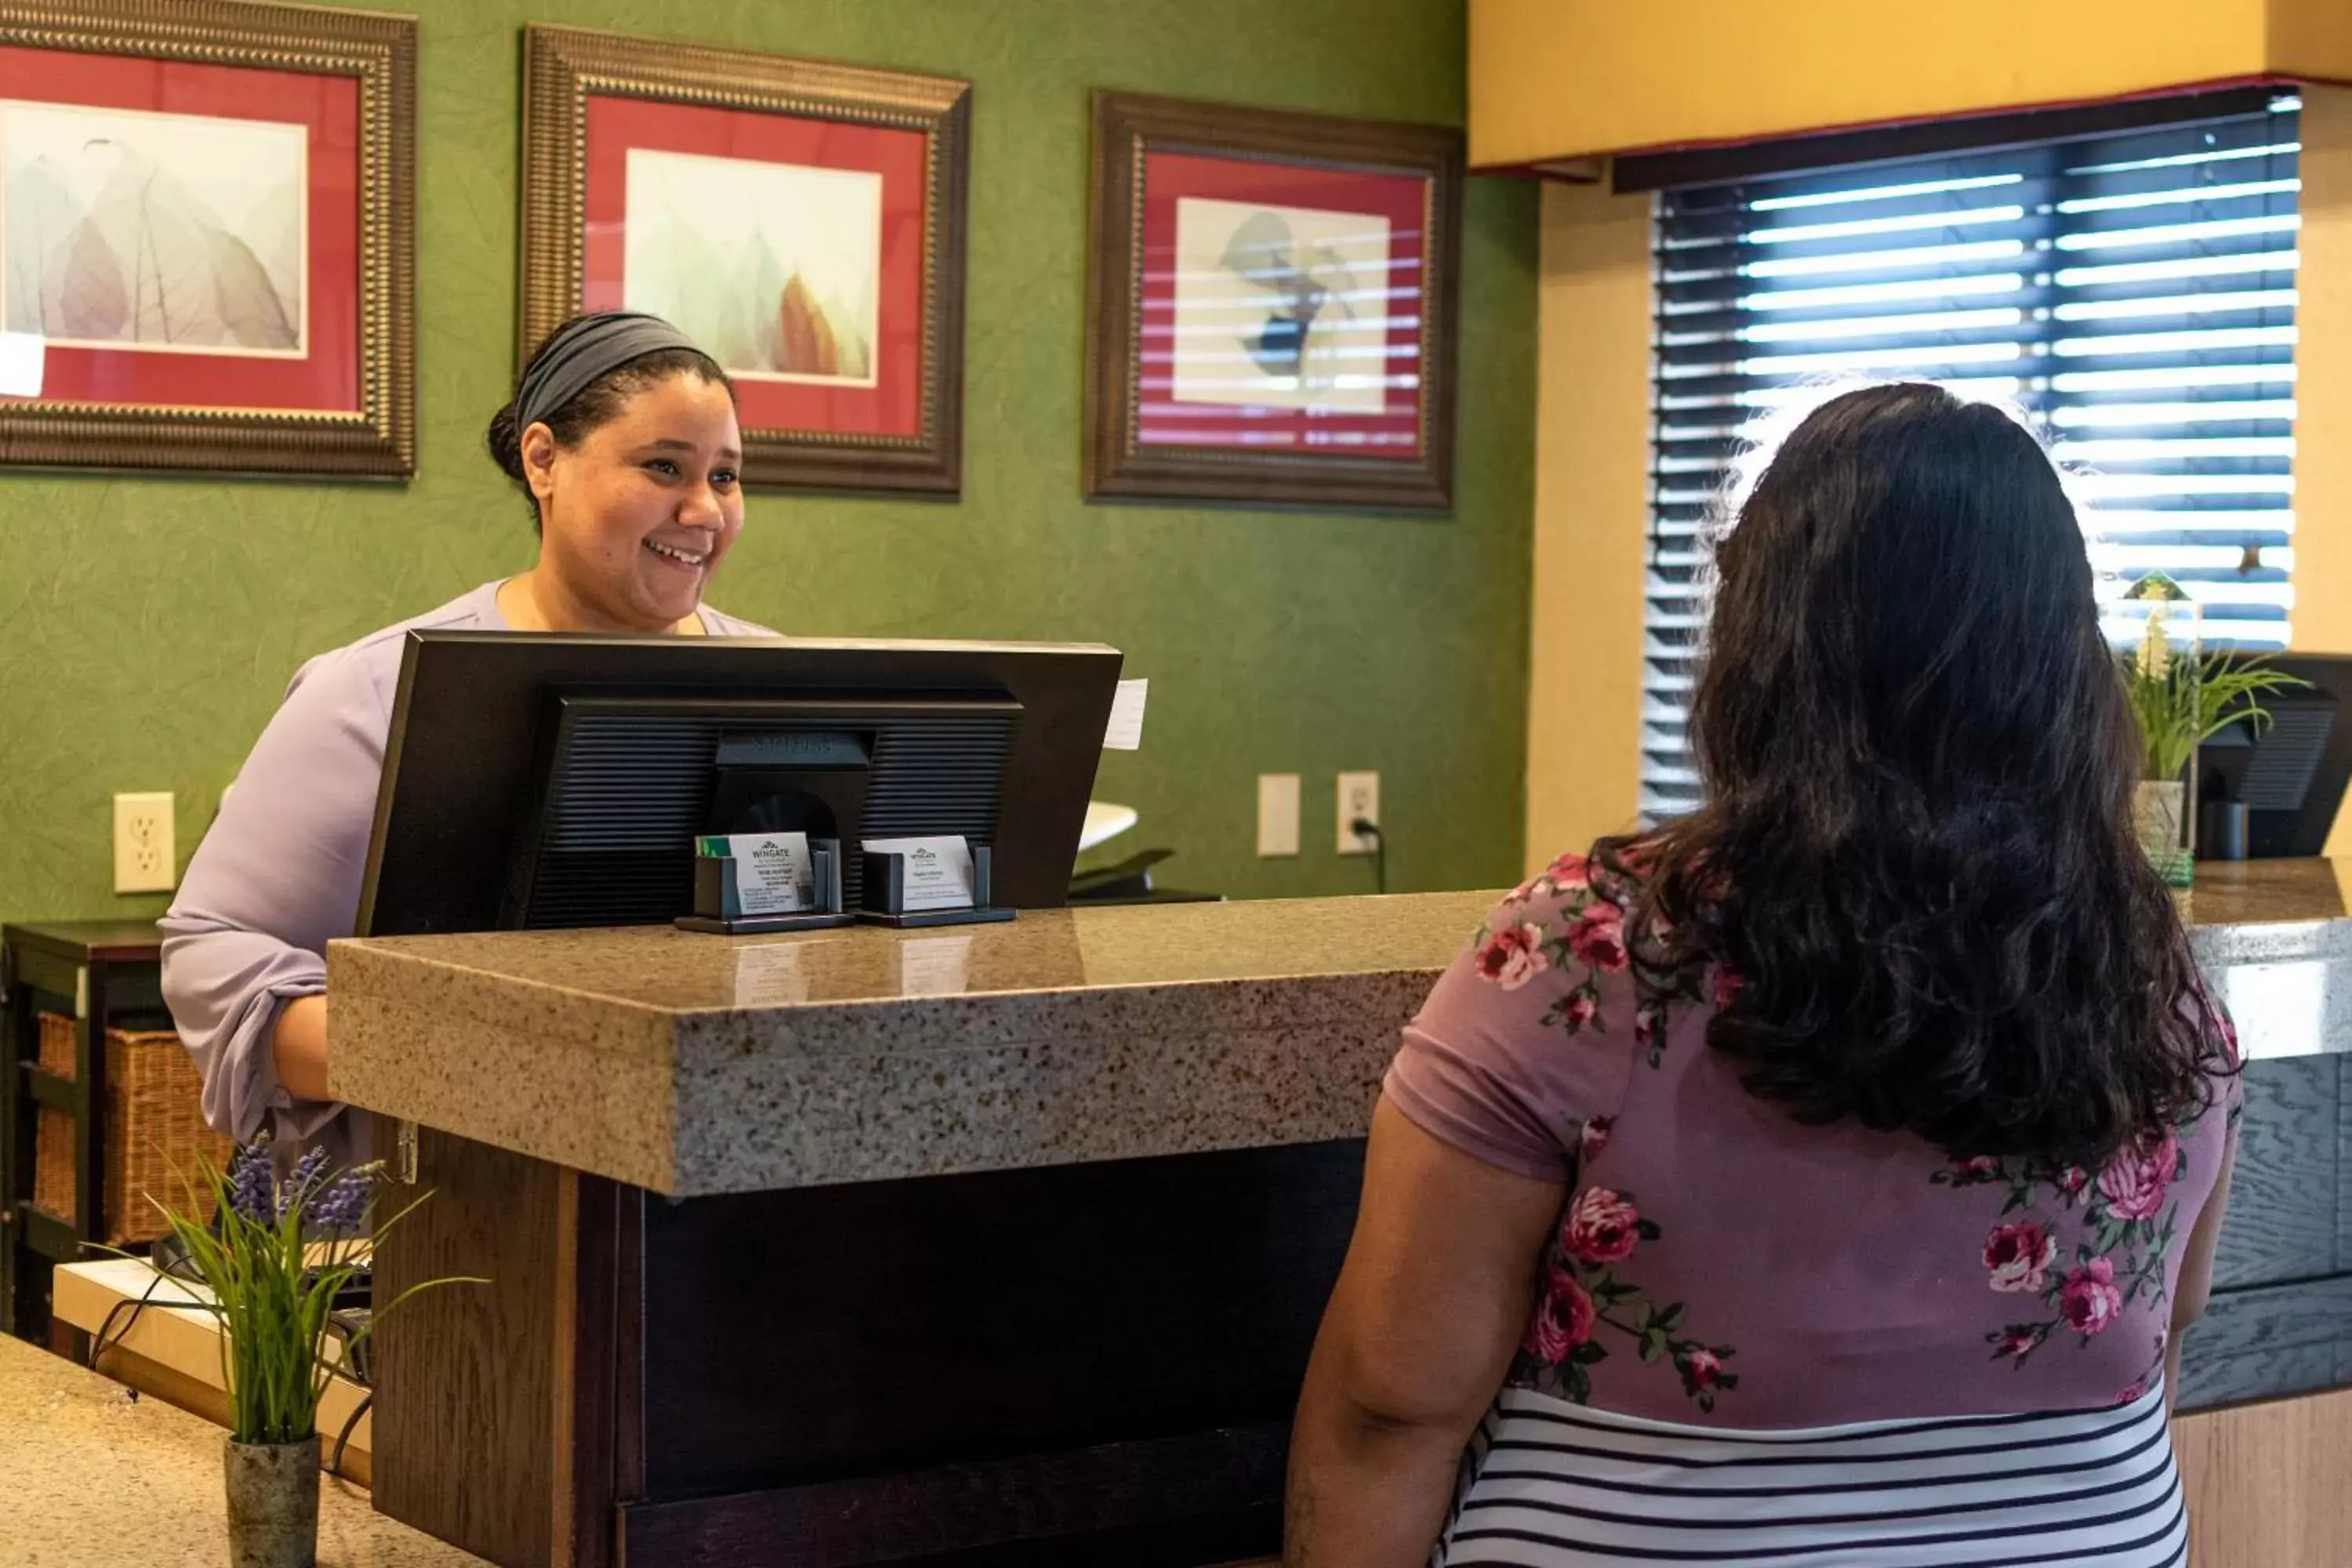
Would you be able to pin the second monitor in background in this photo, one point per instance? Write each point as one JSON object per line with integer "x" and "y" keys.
{"x": 2291, "y": 777}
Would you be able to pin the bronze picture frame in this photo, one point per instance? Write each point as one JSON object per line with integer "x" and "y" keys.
{"x": 564, "y": 67}
{"x": 376, "y": 440}
{"x": 1119, "y": 462}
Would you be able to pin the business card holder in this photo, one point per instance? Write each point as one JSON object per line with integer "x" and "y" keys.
{"x": 884, "y": 896}
{"x": 718, "y": 897}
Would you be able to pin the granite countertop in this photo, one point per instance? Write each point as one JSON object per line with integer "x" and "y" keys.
{"x": 92, "y": 1476}
{"x": 691, "y": 1064}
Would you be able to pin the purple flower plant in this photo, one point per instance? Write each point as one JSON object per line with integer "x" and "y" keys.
{"x": 343, "y": 1204}
{"x": 338, "y": 1203}
{"x": 294, "y": 1195}
{"x": 273, "y": 1285}
{"x": 250, "y": 1193}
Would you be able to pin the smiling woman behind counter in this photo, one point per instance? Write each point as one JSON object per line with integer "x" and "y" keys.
{"x": 624, "y": 434}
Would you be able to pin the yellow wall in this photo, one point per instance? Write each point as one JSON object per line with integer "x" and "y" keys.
{"x": 1591, "y": 484}
{"x": 2322, "y": 364}
{"x": 1592, "y": 445}
{"x": 1556, "y": 79}
{"x": 2323, "y": 356}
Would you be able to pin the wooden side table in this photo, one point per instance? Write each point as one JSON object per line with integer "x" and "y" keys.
{"x": 103, "y": 974}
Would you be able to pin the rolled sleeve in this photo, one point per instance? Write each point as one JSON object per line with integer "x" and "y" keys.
{"x": 277, "y": 878}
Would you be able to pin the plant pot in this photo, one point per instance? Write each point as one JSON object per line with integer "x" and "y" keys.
{"x": 2157, "y": 807}
{"x": 273, "y": 1504}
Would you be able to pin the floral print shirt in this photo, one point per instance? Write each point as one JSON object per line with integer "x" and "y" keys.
{"x": 1717, "y": 1262}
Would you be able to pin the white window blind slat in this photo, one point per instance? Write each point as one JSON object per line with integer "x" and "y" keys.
{"x": 2134, "y": 293}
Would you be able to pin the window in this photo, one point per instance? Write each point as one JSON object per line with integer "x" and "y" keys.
{"x": 2134, "y": 293}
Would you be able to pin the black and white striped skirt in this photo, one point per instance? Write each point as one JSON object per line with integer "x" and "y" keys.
{"x": 1555, "y": 1485}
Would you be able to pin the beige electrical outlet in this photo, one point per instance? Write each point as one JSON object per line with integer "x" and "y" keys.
{"x": 145, "y": 857}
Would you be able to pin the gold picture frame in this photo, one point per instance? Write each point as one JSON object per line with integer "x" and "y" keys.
{"x": 374, "y": 439}
{"x": 1144, "y": 439}
{"x": 564, "y": 69}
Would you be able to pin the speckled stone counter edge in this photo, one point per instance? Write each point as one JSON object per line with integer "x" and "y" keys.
{"x": 695, "y": 1102}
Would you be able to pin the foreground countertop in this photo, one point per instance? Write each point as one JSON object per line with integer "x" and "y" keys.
{"x": 93, "y": 1476}
{"x": 692, "y": 1064}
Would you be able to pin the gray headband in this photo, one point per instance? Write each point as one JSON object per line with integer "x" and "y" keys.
{"x": 588, "y": 348}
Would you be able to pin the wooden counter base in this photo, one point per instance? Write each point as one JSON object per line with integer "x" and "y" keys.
{"x": 2265, "y": 1483}
{"x": 1073, "y": 1366}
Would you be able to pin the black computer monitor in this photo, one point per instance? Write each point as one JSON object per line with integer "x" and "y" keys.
{"x": 2290, "y": 776}
{"x": 533, "y": 781}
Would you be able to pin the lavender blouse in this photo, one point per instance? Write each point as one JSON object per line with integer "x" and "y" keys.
{"x": 278, "y": 875}
{"x": 1715, "y": 1262}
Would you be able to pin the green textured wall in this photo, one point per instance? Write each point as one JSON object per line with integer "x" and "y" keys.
{"x": 147, "y": 627}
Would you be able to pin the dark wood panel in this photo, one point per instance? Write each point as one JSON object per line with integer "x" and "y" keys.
{"x": 2343, "y": 1163}
{"x": 587, "y": 1347}
{"x": 1178, "y": 1501}
{"x": 802, "y": 1336}
{"x": 629, "y": 1346}
{"x": 2271, "y": 1341}
{"x": 2278, "y": 1373}
{"x": 464, "y": 1411}
{"x": 2286, "y": 1202}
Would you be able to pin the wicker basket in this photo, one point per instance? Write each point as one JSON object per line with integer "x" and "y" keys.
{"x": 154, "y": 1121}
{"x": 53, "y": 1172}
{"x": 57, "y": 1043}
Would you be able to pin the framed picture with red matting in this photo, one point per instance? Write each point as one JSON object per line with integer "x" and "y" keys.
{"x": 803, "y": 222}
{"x": 208, "y": 246}
{"x": 1270, "y": 302}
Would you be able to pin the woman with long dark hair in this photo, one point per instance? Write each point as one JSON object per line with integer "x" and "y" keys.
{"x": 1826, "y": 1177}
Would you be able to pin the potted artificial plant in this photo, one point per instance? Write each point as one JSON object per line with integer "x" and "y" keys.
{"x": 2181, "y": 699}
{"x": 274, "y": 1260}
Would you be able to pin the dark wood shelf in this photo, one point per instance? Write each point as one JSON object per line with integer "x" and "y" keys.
{"x": 105, "y": 976}
{"x": 50, "y": 1237}
{"x": 91, "y": 941}
{"x": 53, "y": 1089}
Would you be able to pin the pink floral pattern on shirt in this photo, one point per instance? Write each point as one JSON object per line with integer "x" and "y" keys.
{"x": 1585, "y": 1293}
{"x": 1583, "y": 933}
{"x": 2074, "y": 1257}
{"x": 1558, "y": 923}
{"x": 2127, "y": 1218}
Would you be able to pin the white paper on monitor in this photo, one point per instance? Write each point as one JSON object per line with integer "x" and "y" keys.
{"x": 1126, "y": 731}
{"x": 937, "y": 871}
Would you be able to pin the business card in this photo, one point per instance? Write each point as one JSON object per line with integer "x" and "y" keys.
{"x": 774, "y": 874}
{"x": 937, "y": 871}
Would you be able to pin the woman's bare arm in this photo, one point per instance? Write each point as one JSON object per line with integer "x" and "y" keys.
{"x": 2197, "y": 1269}
{"x": 1434, "y": 1296}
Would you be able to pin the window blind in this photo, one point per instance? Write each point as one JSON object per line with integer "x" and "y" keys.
{"x": 2132, "y": 293}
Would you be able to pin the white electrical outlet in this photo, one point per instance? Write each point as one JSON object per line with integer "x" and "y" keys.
{"x": 145, "y": 855}
{"x": 1359, "y": 801}
{"x": 1278, "y": 814}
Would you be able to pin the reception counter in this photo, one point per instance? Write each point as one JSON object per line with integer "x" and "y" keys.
{"x": 1006, "y": 1245}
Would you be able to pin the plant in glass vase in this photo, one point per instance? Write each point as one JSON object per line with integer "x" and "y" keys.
{"x": 274, "y": 1261}
{"x": 2182, "y": 699}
